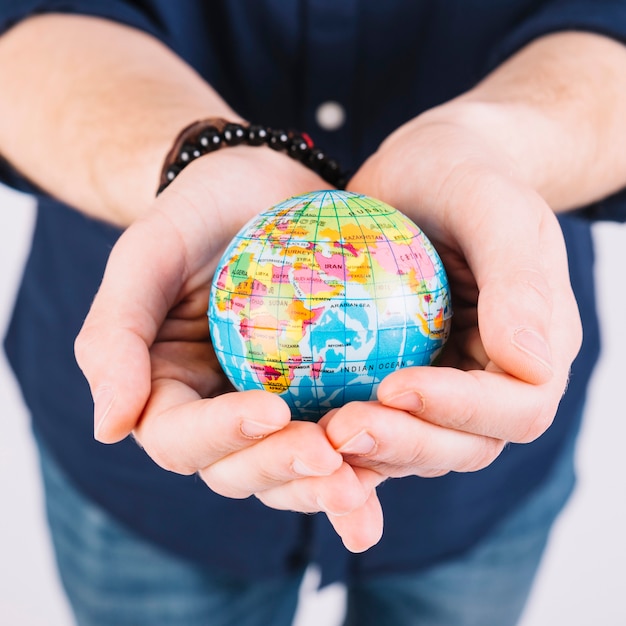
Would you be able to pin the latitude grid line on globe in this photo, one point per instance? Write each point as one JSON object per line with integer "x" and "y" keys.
{"x": 381, "y": 258}
{"x": 373, "y": 284}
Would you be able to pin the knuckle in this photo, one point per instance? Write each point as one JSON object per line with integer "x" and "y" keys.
{"x": 168, "y": 462}
{"x": 345, "y": 496}
{"x": 464, "y": 416}
{"x": 535, "y": 286}
{"x": 165, "y": 457}
{"x": 488, "y": 451}
{"x": 539, "y": 422}
{"x": 83, "y": 345}
{"x": 433, "y": 473}
{"x": 268, "y": 499}
{"x": 346, "y": 500}
{"x": 468, "y": 407}
{"x": 350, "y": 414}
{"x": 266, "y": 476}
{"x": 418, "y": 455}
{"x": 222, "y": 486}
{"x": 575, "y": 333}
{"x": 419, "y": 458}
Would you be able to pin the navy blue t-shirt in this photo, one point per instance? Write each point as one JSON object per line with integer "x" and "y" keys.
{"x": 275, "y": 62}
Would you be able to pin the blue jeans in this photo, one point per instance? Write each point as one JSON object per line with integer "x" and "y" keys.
{"x": 114, "y": 578}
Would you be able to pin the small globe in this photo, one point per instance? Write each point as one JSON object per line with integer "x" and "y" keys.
{"x": 322, "y": 296}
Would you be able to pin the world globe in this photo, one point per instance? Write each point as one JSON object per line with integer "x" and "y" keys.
{"x": 320, "y": 297}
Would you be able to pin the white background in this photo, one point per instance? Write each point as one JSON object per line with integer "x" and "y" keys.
{"x": 583, "y": 578}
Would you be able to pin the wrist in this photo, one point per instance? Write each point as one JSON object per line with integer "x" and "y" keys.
{"x": 209, "y": 135}
{"x": 524, "y": 143}
{"x": 228, "y": 187}
{"x": 469, "y": 136}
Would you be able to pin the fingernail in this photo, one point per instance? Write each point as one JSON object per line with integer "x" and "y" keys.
{"x": 361, "y": 443}
{"x": 533, "y": 344}
{"x": 410, "y": 401}
{"x": 301, "y": 468}
{"x": 256, "y": 430}
{"x": 102, "y": 402}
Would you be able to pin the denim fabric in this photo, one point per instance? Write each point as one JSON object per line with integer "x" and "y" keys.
{"x": 114, "y": 578}
{"x": 488, "y": 585}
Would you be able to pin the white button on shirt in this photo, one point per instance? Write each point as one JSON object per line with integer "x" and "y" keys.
{"x": 330, "y": 115}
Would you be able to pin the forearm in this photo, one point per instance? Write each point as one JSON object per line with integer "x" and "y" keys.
{"x": 92, "y": 109}
{"x": 558, "y": 110}
{"x": 553, "y": 117}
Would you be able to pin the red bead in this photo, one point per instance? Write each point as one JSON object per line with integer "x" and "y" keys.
{"x": 309, "y": 141}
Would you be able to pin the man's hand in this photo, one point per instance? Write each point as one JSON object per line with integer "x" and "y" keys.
{"x": 482, "y": 176}
{"x": 516, "y": 328}
{"x": 475, "y": 174}
{"x": 146, "y": 352}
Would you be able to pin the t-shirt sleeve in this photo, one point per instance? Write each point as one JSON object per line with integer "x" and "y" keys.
{"x": 135, "y": 14}
{"x": 604, "y": 17}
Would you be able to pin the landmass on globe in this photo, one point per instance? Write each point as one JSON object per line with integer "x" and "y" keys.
{"x": 320, "y": 297}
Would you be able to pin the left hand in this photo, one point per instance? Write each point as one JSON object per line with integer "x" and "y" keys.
{"x": 515, "y": 330}
{"x": 146, "y": 353}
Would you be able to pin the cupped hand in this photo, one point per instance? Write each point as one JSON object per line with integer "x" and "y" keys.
{"x": 146, "y": 353}
{"x": 515, "y": 330}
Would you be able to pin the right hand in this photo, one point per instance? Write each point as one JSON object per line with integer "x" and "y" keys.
{"x": 516, "y": 328}
{"x": 146, "y": 353}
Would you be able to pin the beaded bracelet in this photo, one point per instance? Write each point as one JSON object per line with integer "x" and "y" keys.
{"x": 208, "y": 135}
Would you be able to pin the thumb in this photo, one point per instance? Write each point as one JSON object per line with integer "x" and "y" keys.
{"x": 511, "y": 240}
{"x": 142, "y": 279}
{"x": 527, "y": 315}
{"x": 514, "y": 313}
{"x": 119, "y": 392}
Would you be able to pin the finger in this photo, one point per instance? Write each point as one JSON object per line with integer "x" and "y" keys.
{"x": 161, "y": 259}
{"x": 361, "y": 529}
{"x": 517, "y": 256}
{"x": 183, "y": 433}
{"x": 299, "y": 450}
{"x": 193, "y": 363}
{"x": 116, "y": 363}
{"x": 396, "y": 444}
{"x": 344, "y": 491}
{"x": 491, "y": 404}
{"x": 514, "y": 247}
{"x": 348, "y": 497}
{"x": 133, "y": 300}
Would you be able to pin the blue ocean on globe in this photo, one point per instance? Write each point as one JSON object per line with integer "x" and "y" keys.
{"x": 320, "y": 297}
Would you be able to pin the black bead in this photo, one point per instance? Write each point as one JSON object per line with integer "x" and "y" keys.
{"x": 279, "y": 140}
{"x": 315, "y": 160}
{"x": 330, "y": 171}
{"x": 257, "y": 135}
{"x": 342, "y": 180}
{"x": 298, "y": 147}
{"x": 209, "y": 139}
{"x": 233, "y": 134}
{"x": 172, "y": 172}
{"x": 188, "y": 153}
